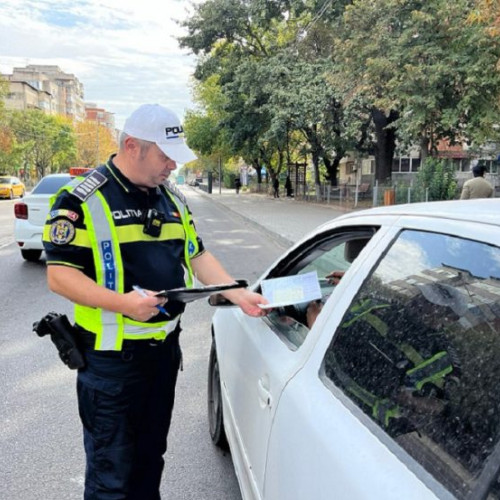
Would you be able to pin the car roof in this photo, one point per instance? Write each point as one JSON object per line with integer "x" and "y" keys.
{"x": 486, "y": 211}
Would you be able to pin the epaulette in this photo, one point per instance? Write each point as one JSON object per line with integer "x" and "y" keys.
{"x": 89, "y": 185}
{"x": 175, "y": 191}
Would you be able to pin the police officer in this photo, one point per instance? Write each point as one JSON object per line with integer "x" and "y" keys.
{"x": 122, "y": 226}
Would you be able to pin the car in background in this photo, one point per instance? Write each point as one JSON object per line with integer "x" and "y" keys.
{"x": 392, "y": 392}
{"x": 10, "y": 187}
{"x": 30, "y": 215}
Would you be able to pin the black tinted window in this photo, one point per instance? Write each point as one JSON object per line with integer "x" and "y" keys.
{"x": 50, "y": 185}
{"x": 6, "y": 180}
{"x": 419, "y": 352}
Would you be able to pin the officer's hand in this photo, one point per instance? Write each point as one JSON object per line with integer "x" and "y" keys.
{"x": 141, "y": 308}
{"x": 248, "y": 301}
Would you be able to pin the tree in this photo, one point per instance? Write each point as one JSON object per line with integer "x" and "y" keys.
{"x": 487, "y": 12}
{"x": 437, "y": 178}
{"x": 6, "y": 137}
{"x": 425, "y": 64}
{"x": 43, "y": 141}
{"x": 245, "y": 43}
{"x": 95, "y": 143}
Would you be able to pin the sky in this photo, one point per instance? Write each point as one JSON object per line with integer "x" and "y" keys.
{"x": 124, "y": 52}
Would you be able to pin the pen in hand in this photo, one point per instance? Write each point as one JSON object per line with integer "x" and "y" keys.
{"x": 142, "y": 293}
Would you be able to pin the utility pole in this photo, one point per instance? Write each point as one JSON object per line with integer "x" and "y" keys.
{"x": 97, "y": 141}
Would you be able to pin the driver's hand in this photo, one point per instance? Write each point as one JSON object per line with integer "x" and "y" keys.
{"x": 313, "y": 309}
{"x": 334, "y": 277}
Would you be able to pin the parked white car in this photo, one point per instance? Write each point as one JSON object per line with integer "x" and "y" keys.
{"x": 392, "y": 393}
{"x": 31, "y": 213}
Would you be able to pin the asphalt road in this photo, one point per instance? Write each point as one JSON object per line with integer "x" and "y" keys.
{"x": 40, "y": 438}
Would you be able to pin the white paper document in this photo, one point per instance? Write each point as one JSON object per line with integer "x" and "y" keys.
{"x": 291, "y": 290}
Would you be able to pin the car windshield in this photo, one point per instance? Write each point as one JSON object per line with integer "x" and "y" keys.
{"x": 5, "y": 180}
{"x": 50, "y": 185}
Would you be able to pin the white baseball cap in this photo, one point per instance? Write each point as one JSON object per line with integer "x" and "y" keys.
{"x": 154, "y": 123}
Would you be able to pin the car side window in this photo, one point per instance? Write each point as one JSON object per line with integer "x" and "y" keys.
{"x": 328, "y": 253}
{"x": 418, "y": 351}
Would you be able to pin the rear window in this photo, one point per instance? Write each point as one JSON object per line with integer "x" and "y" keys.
{"x": 50, "y": 185}
{"x": 5, "y": 180}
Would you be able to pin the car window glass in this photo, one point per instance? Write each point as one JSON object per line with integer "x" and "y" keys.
{"x": 418, "y": 351}
{"x": 50, "y": 185}
{"x": 333, "y": 253}
{"x": 5, "y": 180}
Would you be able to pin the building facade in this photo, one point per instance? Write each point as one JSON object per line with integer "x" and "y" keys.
{"x": 95, "y": 114}
{"x": 48, "y": 88}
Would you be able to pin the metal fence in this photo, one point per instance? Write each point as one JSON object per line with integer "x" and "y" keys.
{"x": 362, "y": 195}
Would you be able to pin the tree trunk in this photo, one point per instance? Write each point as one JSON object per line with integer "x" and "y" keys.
{"x": 256, "y": 165}
{"x": 424, "y": 149}
{"x": 385, "y": 143}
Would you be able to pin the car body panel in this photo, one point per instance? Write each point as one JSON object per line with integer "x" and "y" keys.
{"x": 257, "y": 369}
{"x": 29, "y": 231}
{"x": 279, "y": 450}
{"x": 353, "y": 463}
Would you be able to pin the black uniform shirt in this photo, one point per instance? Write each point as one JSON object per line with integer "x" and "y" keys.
{"x": 154, "y": 263}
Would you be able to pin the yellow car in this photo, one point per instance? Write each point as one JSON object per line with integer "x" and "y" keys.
{"x": 11, "y": 187}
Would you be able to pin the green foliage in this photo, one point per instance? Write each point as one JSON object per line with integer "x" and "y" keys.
{"x": 439, "y": 178}
{"x": 42, "y": 141}
{"x": 427, "y": 61}
{"x": 280, "y": 79}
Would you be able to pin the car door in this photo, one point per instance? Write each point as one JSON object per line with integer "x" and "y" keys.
{"x": 436, "y": 432}
{"x": 257, "y": 357}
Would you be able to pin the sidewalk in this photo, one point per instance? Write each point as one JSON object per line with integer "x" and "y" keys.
{"x": 285, "y": 219}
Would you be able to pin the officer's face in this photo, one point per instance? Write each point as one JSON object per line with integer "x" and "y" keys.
{"x": 154, "y": 166}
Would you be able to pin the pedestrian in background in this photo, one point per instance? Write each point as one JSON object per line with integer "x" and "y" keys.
{"x": 478, "y": 187}
{"x": 120, "y": 228}
{"x": 237, "y": 185}
{"x": 276, "y": 186}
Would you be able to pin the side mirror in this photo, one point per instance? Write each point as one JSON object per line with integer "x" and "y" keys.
{"x": 218, "y": 300}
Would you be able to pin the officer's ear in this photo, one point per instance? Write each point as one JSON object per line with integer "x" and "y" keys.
{"x": 131, "y": 145}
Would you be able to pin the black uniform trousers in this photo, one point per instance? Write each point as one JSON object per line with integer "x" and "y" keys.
{"x": 125, "y": 401}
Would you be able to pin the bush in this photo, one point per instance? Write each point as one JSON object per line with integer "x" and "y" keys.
{"x": 439, "y": 178}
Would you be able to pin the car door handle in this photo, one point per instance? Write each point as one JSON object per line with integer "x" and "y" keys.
{"x": 264, "y": 393}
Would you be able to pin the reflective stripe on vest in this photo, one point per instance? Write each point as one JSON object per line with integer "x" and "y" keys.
{"x": 109, "y": 327}
{"x": 191, "y": 243}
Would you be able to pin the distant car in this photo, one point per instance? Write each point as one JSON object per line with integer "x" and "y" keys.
{"x": 194, "y": 183}
{"x": 392, "y": 393}
{"x": 31, "y": 213}
{"x": 10, "y": 187}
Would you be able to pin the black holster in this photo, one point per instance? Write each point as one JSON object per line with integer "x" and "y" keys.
{"x": 63, "y": 336}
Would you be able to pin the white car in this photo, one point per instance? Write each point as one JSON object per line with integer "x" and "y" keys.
{"x": 31, "y": 213}
{"x": 393, "y": 392}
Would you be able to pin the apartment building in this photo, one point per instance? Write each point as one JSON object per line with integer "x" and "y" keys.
{"x": 100, "y": 115}
{"x": 48, "y": 88}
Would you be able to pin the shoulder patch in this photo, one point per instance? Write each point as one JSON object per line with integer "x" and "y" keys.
{"x": 175, "y": 191}
{"x": 89, "y": 185}
{"x": 62, "y": 232}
